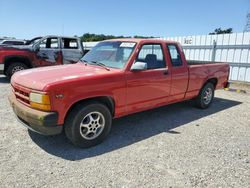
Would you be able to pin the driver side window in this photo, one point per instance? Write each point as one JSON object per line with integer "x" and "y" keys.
{"x": 152, "y": 55}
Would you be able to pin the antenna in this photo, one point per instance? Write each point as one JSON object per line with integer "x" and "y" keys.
{"x": 247, "y": 26}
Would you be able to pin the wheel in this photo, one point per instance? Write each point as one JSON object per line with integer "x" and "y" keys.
{"x": 205, "y": 96}
{"x": 88, "y": 125}
{"x": 15, "y": 67}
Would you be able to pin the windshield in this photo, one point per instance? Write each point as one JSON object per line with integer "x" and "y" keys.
{"x": 34, "y": 41}
{"x": 113, "y": 54}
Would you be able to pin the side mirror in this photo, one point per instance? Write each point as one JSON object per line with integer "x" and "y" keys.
{"x": 36, "y": 47}
{"x": 139, "y": 66}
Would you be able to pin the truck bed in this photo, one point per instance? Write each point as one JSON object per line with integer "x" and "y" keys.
{"x": 200, "y": 71}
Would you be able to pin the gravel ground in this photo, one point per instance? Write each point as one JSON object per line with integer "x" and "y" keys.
{"x": 172, "y": 146}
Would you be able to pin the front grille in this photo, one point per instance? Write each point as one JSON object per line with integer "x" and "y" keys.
{"x": 21, "y": 95}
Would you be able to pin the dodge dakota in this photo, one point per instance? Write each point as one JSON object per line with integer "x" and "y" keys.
{"x": 116, "y": 78}
{"x": 41, "y": 51}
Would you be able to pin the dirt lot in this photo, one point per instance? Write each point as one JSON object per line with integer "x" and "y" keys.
{"x": 173, "y": 146}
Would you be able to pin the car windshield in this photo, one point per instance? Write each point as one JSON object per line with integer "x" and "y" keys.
{"x": 114, "y": 54}
{"x": 35, "y": 41}
{"x": 31, "y": 42}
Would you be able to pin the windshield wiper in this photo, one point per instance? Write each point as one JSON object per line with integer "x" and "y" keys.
{"x": 100, "y": 64}
{"x": 84, "y": 61}
{"x": 96, "y": 63}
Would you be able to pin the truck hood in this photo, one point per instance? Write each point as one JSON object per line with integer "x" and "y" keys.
{"x": 39, "y": 78}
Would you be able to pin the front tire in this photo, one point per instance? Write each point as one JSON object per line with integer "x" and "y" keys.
{"x": 88, "y": 124}
{"x": 15, "y": 67}
{"x": 206, "y": 96}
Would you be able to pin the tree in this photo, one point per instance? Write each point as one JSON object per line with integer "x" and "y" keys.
{"x": 90, "y": 37}
{"x": 221, "y": 31}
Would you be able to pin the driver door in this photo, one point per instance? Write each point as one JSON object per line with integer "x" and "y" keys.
{"x": 49, "y": 52}
{"x": 149, "y": 87}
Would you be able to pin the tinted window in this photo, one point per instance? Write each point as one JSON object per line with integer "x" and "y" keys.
{"x": 175, "y": 56}
{"x": 69, "y": 43}
{"x": 152, "y": 55}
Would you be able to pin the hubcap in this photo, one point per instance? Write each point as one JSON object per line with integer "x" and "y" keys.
{"x": 92, "y": 125}
{"x": 16, "y": 69}
{"x": 208, "y": 94}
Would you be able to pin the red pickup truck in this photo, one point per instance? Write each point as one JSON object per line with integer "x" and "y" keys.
{"x": 116, "y": 78}
{"x": 39, "y": 52}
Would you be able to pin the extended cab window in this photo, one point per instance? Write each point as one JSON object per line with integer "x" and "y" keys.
{"x": 152, "y": 55}
{"x": 174, "y": 55}
{"x": 69, "y": 43}
{"x": 49, "y": 43}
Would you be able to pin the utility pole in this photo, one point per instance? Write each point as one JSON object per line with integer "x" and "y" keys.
{"x": 247, "y": 26}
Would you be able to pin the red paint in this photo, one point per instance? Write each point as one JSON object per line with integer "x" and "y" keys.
{"x": 131, "y": 91}
{"x": 28, "y": 54}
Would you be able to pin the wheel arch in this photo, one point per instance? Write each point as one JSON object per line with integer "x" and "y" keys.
{"x": 213, "y": 80}
{"x": 105, "y": 100}
{"x": 20, "y": 59}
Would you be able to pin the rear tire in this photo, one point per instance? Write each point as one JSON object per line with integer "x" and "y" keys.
{"x": 88, "y": 124}
{"x": 15, "y": 67}
{"x": 205, "y": 97}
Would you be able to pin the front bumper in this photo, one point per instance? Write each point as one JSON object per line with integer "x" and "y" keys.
{"x": 1, "y": 68}
{"x": 44, "y": 123}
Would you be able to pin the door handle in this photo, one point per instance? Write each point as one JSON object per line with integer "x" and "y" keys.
{"x": 165, "y": 72}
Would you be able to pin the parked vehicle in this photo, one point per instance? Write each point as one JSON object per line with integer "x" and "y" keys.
{"x": 116, "y": 78}
{"x": 11, "y": 42}
{"x": 49, "y": 50}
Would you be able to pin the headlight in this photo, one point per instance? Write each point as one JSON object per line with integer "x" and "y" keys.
{"x": 40, "y": 101}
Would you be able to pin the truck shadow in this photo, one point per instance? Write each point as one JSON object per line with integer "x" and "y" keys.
{"x": 134, "y": 128}
{"x": 4, "y": 80}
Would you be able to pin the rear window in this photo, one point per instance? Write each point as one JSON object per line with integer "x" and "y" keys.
{"x": 174, "y": 55}
{"x": 69, "y": 43}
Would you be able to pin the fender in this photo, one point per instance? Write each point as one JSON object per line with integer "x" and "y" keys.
{"x": 24, "y": 59}
{"x": 108, "y": 100}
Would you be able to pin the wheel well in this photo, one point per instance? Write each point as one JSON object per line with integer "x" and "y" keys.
{"x": 107, "y": 101}
{"x": 23, "y": 60}
{"x": 214, "y": 81}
